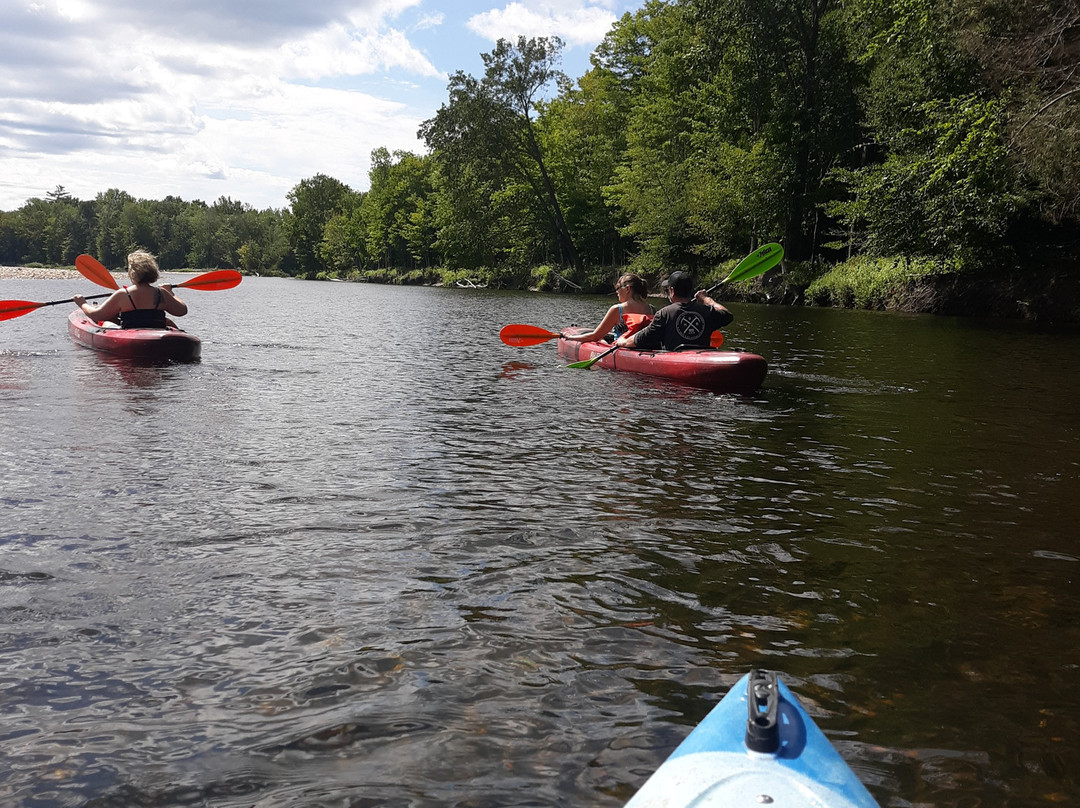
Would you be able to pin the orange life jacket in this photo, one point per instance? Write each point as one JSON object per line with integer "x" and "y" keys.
{"x": 635, "y": 322}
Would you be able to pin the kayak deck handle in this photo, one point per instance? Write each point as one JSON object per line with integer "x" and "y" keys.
{"x": 762, "y": 705}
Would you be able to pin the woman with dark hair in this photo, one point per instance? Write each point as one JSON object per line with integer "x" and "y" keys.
{"x": 628, "y": 315}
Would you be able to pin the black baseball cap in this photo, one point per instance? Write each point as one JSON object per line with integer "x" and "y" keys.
{"x": 681, "y": 282}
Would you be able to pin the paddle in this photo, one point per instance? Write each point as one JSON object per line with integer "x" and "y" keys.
{"x": 756, "y": 263}
{"x": 10, "y": 309}
{"x": 588, "y": 363}
{"x": 94, "y": 270}
{"x": 214, "y": 281}
{"x": 207, "y": 282}
{"x": 519, "y": 335}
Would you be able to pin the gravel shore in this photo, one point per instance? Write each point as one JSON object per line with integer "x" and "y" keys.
{"x": 27, "y": 273}
{"x": 40, "y": 274}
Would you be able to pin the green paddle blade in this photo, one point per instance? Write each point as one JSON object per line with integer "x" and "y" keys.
{"x": 756, "y": 263}
{"x": 588, "y": 363}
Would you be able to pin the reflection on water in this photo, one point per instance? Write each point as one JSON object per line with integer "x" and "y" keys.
{"x": 348, "y": 561}
{"x": 514, "y": 370}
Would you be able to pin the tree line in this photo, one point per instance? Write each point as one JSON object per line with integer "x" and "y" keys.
{"x": 942, "y": 132}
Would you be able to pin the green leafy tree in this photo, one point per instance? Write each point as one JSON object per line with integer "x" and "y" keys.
{"x": 59, "y": 227}
{"x": 517, "y": 75}
{"x": 11, "y": 240}
{"x": 1027, "y": 56}
{"x": 938, "y": 179}
{"x": 172, "y": 231}
{"x": 582, "y": 132}
{"x": 911, "y": 55}
{"x": 272, "y": 239}
{"x": 199, "y": 227}
{"x": 708, "y": 169}
{"x": 776, "y": 71}
{"x": 315, "y": 202}
{"x": 67, "y": 232}
{"x": 137, "y": 226}
{"x": 642, "y": 55}
{"x": 466, "y": 214}
{"x": 399, "y": 209}
{"x": 344, "y": 246}
{"x": 487, "y": 131}
{"x": 34, "y": 221}
{"x": 947, "y": 189}
{"x": 473, "y": 148}
{"x": 111, "y": 240}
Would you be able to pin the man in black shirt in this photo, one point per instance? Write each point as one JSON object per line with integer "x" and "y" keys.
{"x": 690, "y": 318}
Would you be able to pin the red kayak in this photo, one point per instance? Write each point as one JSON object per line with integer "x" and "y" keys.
{"x": 135, "y": 343}
{"x": 719, "y": 371}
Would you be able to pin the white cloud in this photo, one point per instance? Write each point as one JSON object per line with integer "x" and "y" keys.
{"x": 239, "y": 98}
{"x": 575, "y": 23}
{"x": 335, "y": 51}
{"x": 429, "y": 21}
{"x": 74, "y": 10}
{"x": 125, "y": 98}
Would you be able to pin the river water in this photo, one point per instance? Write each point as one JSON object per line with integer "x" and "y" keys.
{"x": 365, "y": 554}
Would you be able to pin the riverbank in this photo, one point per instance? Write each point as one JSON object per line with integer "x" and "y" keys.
{"x": 1043, "y": 289}
{"x": 1042, "y": 293}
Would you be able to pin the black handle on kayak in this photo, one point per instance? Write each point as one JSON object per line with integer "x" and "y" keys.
{"x": 762, "y": 706}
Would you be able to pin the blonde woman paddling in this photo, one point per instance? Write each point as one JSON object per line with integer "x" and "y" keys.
{"x": 625, "y": 317}
{"x": 142, "y": 305}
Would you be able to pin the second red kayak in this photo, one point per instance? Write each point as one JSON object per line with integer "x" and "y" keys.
{"x": 136, "y": 343}
{"x": 719, "y": 371}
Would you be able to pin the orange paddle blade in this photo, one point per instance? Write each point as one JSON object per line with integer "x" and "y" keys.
{"x": 94, "y": 270}
{"x": 716, "y": 340}
{"x": 519, "y": 335}
{"x": 10, "y": 309}
{"x": 214, "y": 281}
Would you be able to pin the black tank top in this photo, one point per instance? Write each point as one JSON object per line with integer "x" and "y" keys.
{"x": 143, "y": 318}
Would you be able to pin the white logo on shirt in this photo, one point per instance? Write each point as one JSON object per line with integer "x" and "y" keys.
{"x": 689, "y": 325}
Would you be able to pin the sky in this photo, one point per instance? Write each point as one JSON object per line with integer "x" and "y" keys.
{"x": 204, "y": 99}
